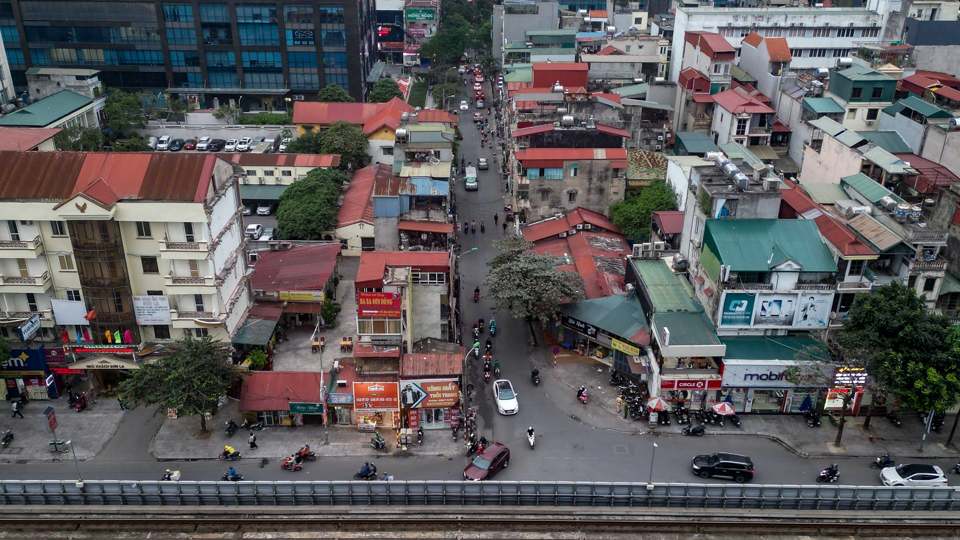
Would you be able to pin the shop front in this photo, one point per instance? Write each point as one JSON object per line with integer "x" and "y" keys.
{"x": 25, "y": 373}
{"x": 98, "y": 368}
{"x": 376, "y": 405}
{"x": 612, "y": 330}
{"x": 339, "y": 408}
{"x": 282, "y": 398}
{"x": 430, "y": 404}
{"x": 691, "y": 392}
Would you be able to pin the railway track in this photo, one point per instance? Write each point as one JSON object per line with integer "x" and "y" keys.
{"x": 235, "y": 523}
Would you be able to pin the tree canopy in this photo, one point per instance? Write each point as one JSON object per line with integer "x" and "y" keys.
{"x": 190, "y": 380}
{"x": 527, "y": 284}
{"x": 308, "y": 208}
{"x": 79, "y": 139}
{"x": 443, "y": 91}
{"x": 347, "y": 140}
{"x": 634, "y": 214}
{"x": 308, "y": 143}
{"x": 334, "y": 93}
{"x": 123, "y": 112}
{"x": 384, "y": 90}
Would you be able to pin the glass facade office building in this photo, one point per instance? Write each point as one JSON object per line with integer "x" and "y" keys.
{"x": 264, "y": 52}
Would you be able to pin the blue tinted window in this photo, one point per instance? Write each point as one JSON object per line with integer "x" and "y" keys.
{"x": 214, "y": 13}
{"x": 259, "y": 34}
{"x": 261, "y": 59}
{"x": 188, "y": 80}
{"x": 299, "y": 14}
{"x": 15, "y": 56}
{"x": 9, "y": 34}
{"x": 334, "y": 38}
{"x": 220, "y": 59}
{"x": 178, "y": 13}
{"x": 39, "y": 56}
{"x": 185, "y": 58}
{"x": 302, "y": 60}
{"x": 181, "y": 36}
{"x": 257, "y": 13}
{"x": 223, "y": 79}
{"x": 334, "y": 59}
{"x": 263, "y": 80}
{"x": 331, "y": 15}
{"x": 137, "y": 58}
{"x": 305, "y": 80}
{"x": 298, "y": 36}
{"x": 340, "y": 79}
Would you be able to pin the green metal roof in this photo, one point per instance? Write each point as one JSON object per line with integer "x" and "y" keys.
{"x": 632, "y": 90}
{"x": 849, "y": 138}
{"x": 950, "y": 284}
{"x": 618, "y": 315}
{"x": 739, "y": 74}
{"x": 667, "y": 291}
{"x": 255, "y": 332}
{"x": 552, "y": 51}
{"x": 921, "y": 107}
{"x": 695, "y": 142}
{"x": 886, "y": 161}
{"x": 557, "y": 32}
{"x": 47, "y": 111}
{"x": 520, "y": 75}
{"x": 686, "y": 328}
{"x": 829, "y": 126}
{"x": 825, "y": 193}
{"x": 891, "y": 141}
{"x": 772, "y": 348}
{"x": 760, "y": 245}
{"x": 857, "y": 72}
{"x": 255, "y": 192}
{"x": 822, "y": 105}
{"x": 866, "y": 186}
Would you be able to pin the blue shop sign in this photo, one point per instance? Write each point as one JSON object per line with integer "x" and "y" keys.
{"x": 25, "y": 360}
{"x": 340, "y": 399}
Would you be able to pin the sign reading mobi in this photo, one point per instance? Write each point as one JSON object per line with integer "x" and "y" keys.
{"x": 378, "y": 304}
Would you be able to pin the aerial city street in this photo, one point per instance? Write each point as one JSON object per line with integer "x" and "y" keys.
{"x": 546, "y": 240}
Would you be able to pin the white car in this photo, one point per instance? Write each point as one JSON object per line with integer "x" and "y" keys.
{"x": 164, "y": 142}
{"x": 268, "y": 234}
{"x": 203, "y": 143}
{"x": 244, "y": 144}
{"x": 255, "y": 231}
{"x": 505, "y": 397}
{"x": 283, "y": 145}
{"x": 915, "y": 474}
{"x": 462, "y": 69}
{"x": 464, "y": 106}
{"x": 265, "y": 209}
{"x": 231, "y": 146}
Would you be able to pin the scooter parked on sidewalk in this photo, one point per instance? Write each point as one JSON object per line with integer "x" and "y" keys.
{"x": 894, "y": 419}
{"x": 812, "y": 418}
{"x": 420, "y": 435}
{"x": 255, "y": 426}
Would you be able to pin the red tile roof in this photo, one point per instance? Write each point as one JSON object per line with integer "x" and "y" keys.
{"x": 609, "y": 50}
{"x": 373, "y": 264}
{"x": 778, "y": 50}
{"x": 753, "y": 39}
{"x": 943, "y": 78}
{"x": 613, "y": 131}
{"x": 691, "y": 79}
{"x": 431, "y": 365}
{"x": 570, "y": 220}
{"x": 371, "y": 116}
{"x": 532, "y": 130}
{"x": 670, "y": 222}
{"x": 950, "y": 93}
{"x": 571, "y": 154}
{"x": 301, "y": 268}
{"x": 711, "y": 43}
{"x": 751, "y": 91}
{"x": 703, "y": 98}
{"x": 560, "y": 66}
{"x": 598, "y": 14}
{"x": 798, "y": 201}
{"x": 737, "y": 102}
{"x": 283, "y": 160}
{"x": 832, "y": 229}
{"x": 433, "y": 116}
{"x": 425, "y": 226}
{"x": 932, "y": 174}
{"x": 580, "y": 248}
{"x": 23, "y": 139}
{"x": 274, "y": 390}
{"x": 358, "y": 200}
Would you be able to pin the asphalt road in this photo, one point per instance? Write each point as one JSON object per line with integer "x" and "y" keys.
{"x": 574, "y": 442}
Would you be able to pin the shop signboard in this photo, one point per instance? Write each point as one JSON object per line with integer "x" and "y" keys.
{"x": 848, "y": 376}
{"x": 340, "y": 399}
{"x": 736, "y": 309}
{"x": 417, "y": 31}
{"x": 54, "y": 356}
{"x": 303, "y": 37}
{"x": 625, "y": 348}
{"x": 762, "y": 374}
{"x": 580, "y": 326}
{"x": 23, "y": 363}
{"x": 302, "y": 296}
{"x": 151, "y": 310}
{"x": 102, "y": 349}
{"x": 429, "y": 394}
{"x": 690, "y": 384}
{"x": 378, "y": 304}
{"x": 30, "y": 328}
{"x": 305, "y": 408}
{"x": 414, "y": 14}
{"x": 104, "y": 362}
{"x": 775, "y": 310}
{"x": 814, "y": 310}
{"x": 376, "y": 395}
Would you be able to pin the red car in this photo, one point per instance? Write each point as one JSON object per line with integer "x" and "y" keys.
{"x": 190, "y": 144}
{"x": 478, "y": 78}
{"x": 477, "y": 87}
{"x": 488, "y": 463}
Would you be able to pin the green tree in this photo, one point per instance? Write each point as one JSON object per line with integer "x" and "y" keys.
{"x": 190, "y": 380}
{"x": 79, "y": 139}
{"x": 444, "y": 91}
{"x": 123, "y": 112}
{"x": 334, "y": 93}
{"x": 308, "y": 208}
{"x": 447, "y": 45}
{"x": 308, "y": 143}
{"x": 482, "y": 38}
{"x": 634, "y": 214}
{"x": 177, "y": 107}
{"x": 384, "y": 90}
{"x": 4, "y": 349}
{"x": 527, "y": 284}
{"x": 257, "y": 358}
{"x": 347, "y": 140}
{"x": 227, "y": 112}
{"x": 329, "y": 312}
{"x": 135, "y": 143}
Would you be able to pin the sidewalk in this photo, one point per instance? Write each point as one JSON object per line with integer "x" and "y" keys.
{"x": 176, "y": 440}
{"x": 790, "y": 430}
{"x": 90, "y": 430}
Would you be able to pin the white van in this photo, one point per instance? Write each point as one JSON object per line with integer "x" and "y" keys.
{"x": 470, "y": 179}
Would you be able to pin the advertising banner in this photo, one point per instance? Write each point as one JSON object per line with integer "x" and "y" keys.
{"x": 736, "y": 309}
{"x": 417, "y": 31}
{"x": 384, "y": 396}
{"x": 23, "y": 363}
{"x": 625, "y": 348}
{"x": 69, "y": 312}
{"x": 814, "y": 310}
{"x": 414, "y": 14}
{"x": 775, "y": 310}
{"x": 302, "y": 296}
{"x": 378, "y": 304}
{"x": 30, "y": 328}
{"x": 152, "y": 310}
{"x": 429, "y": 394}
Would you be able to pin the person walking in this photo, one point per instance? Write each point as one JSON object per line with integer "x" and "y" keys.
{"x": 619, "y": 403}
{"x": 17, "y": 407}
{"x": 120, "y": 401}
{"x": 496, "y": 218}
{"x": 252, "y": 439}
{"x": 504, "y": 227}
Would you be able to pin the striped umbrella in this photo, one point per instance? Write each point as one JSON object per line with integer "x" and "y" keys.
{"x": 724, "y": 409}
{"x": 657, "y": 404}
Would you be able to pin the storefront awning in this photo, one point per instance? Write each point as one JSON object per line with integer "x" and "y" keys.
{"x": 261, "y": 193}
{"x": 376, "y": 351}
{"x": 303, "y": 307}
{"x": 426, "y": 226}
{"x": 274, "y": 390}
{"x": 256, "y": 332}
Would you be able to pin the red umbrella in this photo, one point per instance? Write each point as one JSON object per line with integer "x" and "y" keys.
{"x": 657, "y": 404}
{"x": 724, "y": 409}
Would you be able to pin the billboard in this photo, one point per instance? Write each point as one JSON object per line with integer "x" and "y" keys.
{"x": 429, "y": 394}
{"x": 378, "y": 304}
{"x": 414, "y": 14}
{"x": 814, "y": 310}
{"x": 376, "y": 395}
{"x": 737, "y": 309}
{"x": 302, "y": 296}
{"x": 151, "y": 310}
{"x": 774, "y": 309}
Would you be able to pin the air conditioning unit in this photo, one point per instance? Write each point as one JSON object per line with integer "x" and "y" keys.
{"x": 637, "y": 250}
{"x": 572, "y": 231}
{"x": 262, "y": 182}
{"x": 659, "y": 148}
{"x": 579, "y": 226}
{"x": 659, "y": 137}
{"x": 870, "y": 122}
{"x": 246, "y": 180}
{"x": 659, "y": 246}
{"x": 801, "y": 24}
{"x": 793, "y": 24}
{"x": 277, "y": 180}
{"x": 646, "y": 246}
{"x": 776, "y": 24}
{"x": 558, "y": 216}
{"x": 563, "y": 235}
{"x": 26, "y": 222}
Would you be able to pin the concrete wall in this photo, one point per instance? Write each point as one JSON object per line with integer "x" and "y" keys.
{"x": 943, "y": 146}
{"x": 216, "y": 131}
{"x": 833, "y": 162}
{"x": 942, "y": 58}
{"x": 911, "y": 131}
{"x": 426, "y": 309}
{"x": 789, "y": 111}
{"x": 385, "y": 233}
{"x": 596, "y": 186}
{"x": 679, "y": 181}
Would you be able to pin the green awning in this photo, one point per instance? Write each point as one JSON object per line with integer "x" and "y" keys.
{"x": 255, "y": 332}
{"x": 261, "y": 193}
{"x": 950, "y": 284}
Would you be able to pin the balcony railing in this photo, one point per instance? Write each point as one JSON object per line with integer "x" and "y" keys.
{"x": 25, "y": 280}
{"x": 167, "y": 245}
{"x": 930, "y": 266}
{"x": 816, "y": 286}
{"x": 749, "y": 286}
{"x": 172, "y": 280}
{"x": 862, "y": 284}
{"x": 20, "y": 244}
{"x": 921, "y": 236}
{"x": 44, "y": 315}
{"x": 193, "y": 315}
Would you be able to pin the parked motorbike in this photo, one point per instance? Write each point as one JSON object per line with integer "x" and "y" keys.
{"x": 892, "y": 416}
{"x": 829, "y": 475}
{"x": 81, "y": 404}
{"x": 834, "y": 419}
{"x": 616, "y": 379}
{"x": 937, "y": 424}
{"x": 254, "y": 426}
{"x": 73, "y": 398}
{"x": 955, "y": 469}
{"x": 231, "y": 427}
{"x": 695, "y": 431}
{"x": 734, "y": 419}
{"x": 419, "y": 435}
{"x": 290, "y": 464}
{"x": 663, "y": 418}
{"x": 7, "y": 438}
{"x": 812, "y": 418}
{"x": 882, "y": 462}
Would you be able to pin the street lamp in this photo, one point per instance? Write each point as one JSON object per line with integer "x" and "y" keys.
{"x": 77, "y": 463}
{"x": 652, "y": 457}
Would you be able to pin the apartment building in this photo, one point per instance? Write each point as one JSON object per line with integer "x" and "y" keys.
{"x": 548, "y": 181}
{"x": 144, "y": 247}
{"x": 862, "y": 92}
{"x": 6, "y": 81}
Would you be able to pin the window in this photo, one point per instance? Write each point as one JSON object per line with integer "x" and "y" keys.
{"x": 335, "y": 60}
{"x": 553, "y": 173}
{"x": 201, "y": 332}
{"x": 290, "y": 173}
{"x": 571, "y": 196}
{"x": 214, "y": 13}
{"x": 223, "y": 79}
{"x": 261, "y": 59}
{"x": 533, "y": 173}
{"x": 876, "y": 93}
{"x": 257, "y": 13}
{"x": 821, "y": 32}
{"x": 59, "y": 228}
{"x": 267, "y": 172}
{"x": 301, "y": 37}
{"x": 796, "y": 53}
{"x": 773, "y": 32}
{"x": 857, "y": 93}
{"x": 258, "y": 34}
{"x": 388, "y": 150}
{"x": 742, "y": 124}
{"x": 181, "y": 36}
{"x": 331, "y": 15}
{"x": 305, "y": 80}
{"x": 177, "y": 13}
{"x": 796, "y": 32}
{"x": 870, "y": 32}
{"x": 378, "y": 326}
{"x": 818, "y": 53}
{"x": 9, "y": 34}
{"x": 872, "y": 114}
{"x": 221, "y": 59}
{"x": 716, "y": 68}
{"x": 251, "y": 172}
{"x": 340, "y": 79}
{"x": 299, "y": 14}
{"x": 574, "y": 171}
{"x": 150, "y": 265}
{"x": 263, "y": 80}
{"x": 844, "y": 32}
{"x": 429, "y": 278}
{"x": 143, "y": 229}
{"x": 32, "y": 302}
{"x": 929, "y": 284}
{"x": 161, "y": 332}
{"x": 198, "y": 301}
{"x": 73, "y": 295}
{"x": 15, "y": 56}
{"x": 855, "y": 268}
{"x": 851, "y": 114}
{"x": 304, "y": 60}
{"x": 544, "y": 196}
{"x": 66, "y": 262}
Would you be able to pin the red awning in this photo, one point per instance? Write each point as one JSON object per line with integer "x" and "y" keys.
{"x": 376, "y": 351}
{"x": 426, "y": 226}
{"x": 305, "y": 308}
{"x": 703, "y": 98}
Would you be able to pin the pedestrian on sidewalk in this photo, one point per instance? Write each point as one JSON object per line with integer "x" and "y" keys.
{"x": 120, "y": 401}
{"x": 252, "y": 439}
{"x": 496, "y": 218}
{"x": 619, "y": 403}
{"x": 16, "y": 409}
{"x": 504, "y": 227}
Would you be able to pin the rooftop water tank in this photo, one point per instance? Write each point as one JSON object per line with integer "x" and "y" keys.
{"x": 902, "y": 212}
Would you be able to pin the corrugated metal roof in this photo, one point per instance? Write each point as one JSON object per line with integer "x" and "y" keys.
{"x": 618, "y": 315}
{"x": 357, "y": 201}
{"x": 891, "y": 141}
{"x": 886, "y": 161}
{"x": 571, "y": 154}
{"x": 52, "y": 174}
{"x": 825, "y": 193}
{"x": 746, "y": 245}
{"x": 431, "y": 365}
{"x": 880, "y": 237}
{"x": 274, "y": 390}
{"x": 425, "y": 226}
{"x": 772, "y": 348}
{"x": 866, "y": 186}
{"x": 632, "y": 90}
{"x": 24, "y": 139}
{"x": 667, "y": 291}
{"x": 695, "y": 142}
{"x": 532, "y": 130}
{"x": 552, "y": 227}
{"x": 842, "y": 238}
{"x": 822, "y": 105}
{"x": 828, "y": 126}
{"x": 671, "y": 222}
{"x": 918, "y": 105}
{"x": 282, "y": 160}
{"x": 849, "y": 138}
{"x": 254, "y": 192}
{"x": 46, "y": 111}
{"x": 686, "y": 328}
{"x": 301, "y": 268}
{"x": 373, "y": 264}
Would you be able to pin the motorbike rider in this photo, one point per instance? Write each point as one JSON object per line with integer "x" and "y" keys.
{"x": 534, "y": 374}
{"x": 530, "y": 432}
{"x": 167, "y": 476}
{"x": 232, "y": 473}
{"x": 483, "y": 226}
{"x": 229, "y": 450}
{"x": 832, "y": 471}
{"x": 480, "y": 323}
{"x": 489, "y": 345}
{"x": 231, "y": 425}
{"x": 581, "y": 392}
{"x": 367, "y": 469}
{"x": 473, "y": 225}
{"x": 493, "y": 323}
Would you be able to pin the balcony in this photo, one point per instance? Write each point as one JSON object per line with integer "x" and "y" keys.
{"x": 190, "y": 285}
{"x": 188, "y": 319}
{"x": 45, "y": 316}
{"x": 854, "y": 285}
{"x": 732, "y": 286}
{"x": 183, "y": 250}
{"x": 928, "y": 266}
{"x": 25, "y": 284}
{"x": 702, "y": 122}
{"x": 21, "y": 249}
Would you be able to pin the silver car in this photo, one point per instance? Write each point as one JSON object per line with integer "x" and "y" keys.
{"x": 915, "y": 474}
{"x": 505, "y": 397}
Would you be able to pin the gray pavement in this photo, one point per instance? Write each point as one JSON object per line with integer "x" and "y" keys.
{"x": 90, "y": 430}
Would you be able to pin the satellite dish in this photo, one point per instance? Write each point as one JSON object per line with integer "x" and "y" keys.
{"x": 633, "y": 30}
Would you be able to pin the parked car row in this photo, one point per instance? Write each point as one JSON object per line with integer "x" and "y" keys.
{"x": 263, "y": 209}
{"x": 167, "y": 143}
{"x": 258, "y": 232}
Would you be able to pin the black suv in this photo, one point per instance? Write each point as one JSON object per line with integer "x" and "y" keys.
{"x": 216, "y": 145}
{"x": 734, "y": 466}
